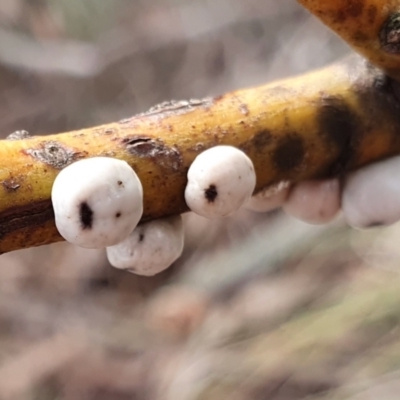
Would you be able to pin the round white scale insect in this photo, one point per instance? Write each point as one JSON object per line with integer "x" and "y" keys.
{"x": 314, "y": 202}
{"x": 97, "y": 202}
{"x": 151, "y": 248}
{"x": 220, "y": 181}
{"x": 371, "y": 195}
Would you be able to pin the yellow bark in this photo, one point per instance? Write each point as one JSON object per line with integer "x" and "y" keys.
{"x": 313, "y": 126}
{"x": 371, "y": 27}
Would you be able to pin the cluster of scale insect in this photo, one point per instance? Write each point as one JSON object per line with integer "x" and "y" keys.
{"x": 98, "y": 203}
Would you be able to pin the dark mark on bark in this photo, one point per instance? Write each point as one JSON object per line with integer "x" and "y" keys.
{"x": 54, "y": 154}
{"x": 262, "y": 139}
{"x": 85, "y": 216}
{"x": 18, "y": 135}
{"x": 390, "y": 34}
{"x": 258, "y": 142}
{"x": 372, "y": 12}
{"x": 141, "y": 237}
{"x": 341, "y": 126}
{"x": 154, "y": 149}
{"x": 289, "y": 153}
{"x": 135, "y": 140}
{"x": 22, "y": 218}
{"x": 11, "y": 185}
{"x": 118, "y": 215}
{"x": 211, "y": 193}
{"x": 360, "y": 36}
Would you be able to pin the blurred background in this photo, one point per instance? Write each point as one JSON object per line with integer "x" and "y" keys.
{"x": 259, "y": 306}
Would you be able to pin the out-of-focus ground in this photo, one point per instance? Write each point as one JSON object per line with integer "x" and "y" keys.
{"x": 259, "y": 306}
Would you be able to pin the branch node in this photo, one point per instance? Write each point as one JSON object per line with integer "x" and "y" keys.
{"x": 390, "y": 34}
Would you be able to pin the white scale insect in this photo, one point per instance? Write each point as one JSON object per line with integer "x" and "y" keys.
{"x": 97, "y": 202}
{"x": 151, "y": 248}
{"x": 220, "y": 181}
{"x": 371, "y": 195}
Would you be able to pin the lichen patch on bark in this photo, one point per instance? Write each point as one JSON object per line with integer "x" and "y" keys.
{"x": 55, "y": 154}
{"x": 174, "y": 107}
{"x": 18, "y": 135}
{"x": 168, "y": 157}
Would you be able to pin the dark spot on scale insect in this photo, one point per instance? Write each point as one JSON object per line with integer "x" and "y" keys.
{"x": 117, "y": 215}
{"x": 211, "y": 193}
{"x": 86, "y": 216}
{"x": 120, "y": 183}
{"x": 141, "y": 238}
{"x": 289, "y": 152}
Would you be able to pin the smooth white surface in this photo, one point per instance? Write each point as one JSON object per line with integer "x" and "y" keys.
{"x": 371, "y": 195}
{"x": 151, "y": 248}
{"x": 220, "y": 181}
{"x": 314, "y": 202}
{"x": 106, "y": 188}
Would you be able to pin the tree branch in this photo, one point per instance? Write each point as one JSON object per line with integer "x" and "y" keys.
{"x": 313, "y": 126}
{"x": 371, "y": 27}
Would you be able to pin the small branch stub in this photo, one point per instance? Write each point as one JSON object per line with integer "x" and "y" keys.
{"x": 390, "y": 34}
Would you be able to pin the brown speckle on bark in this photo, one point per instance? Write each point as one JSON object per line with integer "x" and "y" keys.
{"x": 11, "y": 185}
{"x": 372, "y": 12}
{"x": 168, "y": 157}
{"x": 354, "y": 8}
